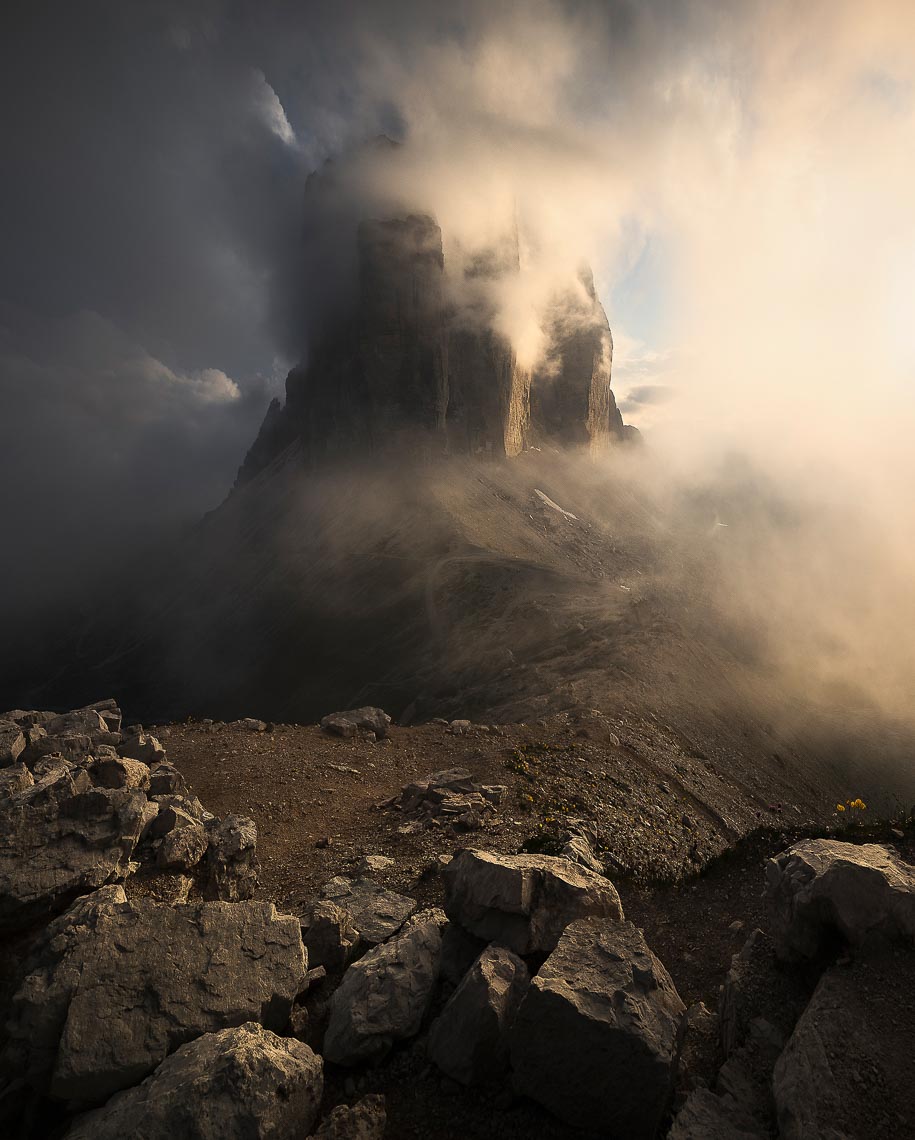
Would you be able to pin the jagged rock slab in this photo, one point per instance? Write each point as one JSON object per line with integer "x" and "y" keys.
{"x": 364, "y": 1120}
{"x": 87, "y": 722}
{"x": 14, "y": 779}
{"x": 166, "y": 780}
{"x": 597, "y": 1037}
{"x": 384, "y": 996}
{"x": 26, "y": 718}
{"x": 524, "y": 902}
{"x": 60, "y": 837}
{"x": 108, "y": 710}
{"x": 849, "y": 1068}
{"x": 12, "y": 742}
{"x": 114, "y": 986}
{"x": 142, "y": 746}
{"x": 120, "y": 772}
{"x": 183, "y": 847}
{"x": 329, "y": 935}
{"x": 469, "y": 1040}
{"x": 74, "y": 746}
{"x": 237, "y": 1084}
{"x": 821, "y": 888}
{"x": 231, "y": 865}
{"x": 348, "y": 723}
{"x": 375, "y": 912}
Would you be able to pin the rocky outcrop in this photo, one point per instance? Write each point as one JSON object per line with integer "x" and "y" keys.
{"x": 114, "y": 986}
{"x": 597, "y": 1037}
{"x": 469, "y": 1040}
{"x": 571, "y": 398}
{"x": 415, "y": 362}
{"x": 384, "y": 996}
{"x": 524, "y": 902}
{"x": 81, "y": 808}
{"x": 61, "y": 837}
{"x": 237, "y": 1084}
{"x": 821, "y": 890}
{"x": 12, "y": 743}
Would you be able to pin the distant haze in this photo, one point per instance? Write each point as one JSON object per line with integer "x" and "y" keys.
{"x": 739, "y": 177}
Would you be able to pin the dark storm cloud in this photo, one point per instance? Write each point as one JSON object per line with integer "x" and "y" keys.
{"x": 157, "y": 279}
{"x": 150, "y": 208}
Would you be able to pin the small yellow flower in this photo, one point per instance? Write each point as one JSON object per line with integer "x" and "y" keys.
{"x": 840, "y": 807}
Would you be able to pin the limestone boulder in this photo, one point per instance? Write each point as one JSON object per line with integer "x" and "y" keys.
{"x": 14, "y": 779}
{"x": 120, "y": 772}
{"x": 113, "y": 987}
{"x": 60, "y": 837}
{"x": 822, "y": 889}
{"x": 384, "y": 997}
{"x": 364, "y": 1120}
{"x": 375, "y": 912}
{"x": 12, "y": 742}
{"x": 237, "y": 1084}
{"x": 469, "y": 1040}
{"x": 142, "y": 746}
{"x": 183, "y": 847}
{"x": 231, "y": 865}
{"x": 597, "y": 1037}
{"x": 347, "y": 724}
{"x": 524, "y": 902}
{"x": 85, "y": 721}
{"x": 849, "y": 1067}
{"x": 166, "y": 780}
{"x": 329, "y": 935}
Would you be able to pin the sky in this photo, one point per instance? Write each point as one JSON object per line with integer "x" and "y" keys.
{"x": 739, "y": 176}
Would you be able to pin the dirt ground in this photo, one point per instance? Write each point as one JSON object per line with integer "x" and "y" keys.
{"x": 660, "y": 812}
{"x": 689, "y": 841}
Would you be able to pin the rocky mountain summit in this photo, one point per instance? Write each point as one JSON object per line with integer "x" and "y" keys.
{"x": 147, "y": 989}
{"x": 409, "y": 370}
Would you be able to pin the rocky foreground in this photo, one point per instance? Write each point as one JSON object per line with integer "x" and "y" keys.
{"x": 149, "y": 990}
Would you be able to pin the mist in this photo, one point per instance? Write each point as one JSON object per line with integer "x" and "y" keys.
{"x": 739, "y": 179}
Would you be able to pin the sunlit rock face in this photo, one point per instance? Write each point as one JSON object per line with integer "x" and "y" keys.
{"x": 411, "y": 369}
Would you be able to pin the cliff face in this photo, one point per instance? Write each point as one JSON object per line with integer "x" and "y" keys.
{"x": 408, "y": 370}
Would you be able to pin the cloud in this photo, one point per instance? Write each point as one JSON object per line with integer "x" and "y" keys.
{"x": 158, "y": 266}
{"x": 647, "y": 394}
{"x": 106, "y": 448}
{"x": 271, "y": 109}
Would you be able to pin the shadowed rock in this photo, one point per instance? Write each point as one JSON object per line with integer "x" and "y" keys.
{"x": 61, "y": 837}
{"x": 524, "y": 902}
{"x": 596, "y": 1038}
{"x": 364, "y": 1120}
{"x": 114, "y": 986}
{"x": 821, "y": 889}
{"x": 375, "y": 912}
{"x": 347, "y": 724}
{"x": 237, "y": 1084}
{"x": 384, "y": 996}
{"x": 469, "y": 1040}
